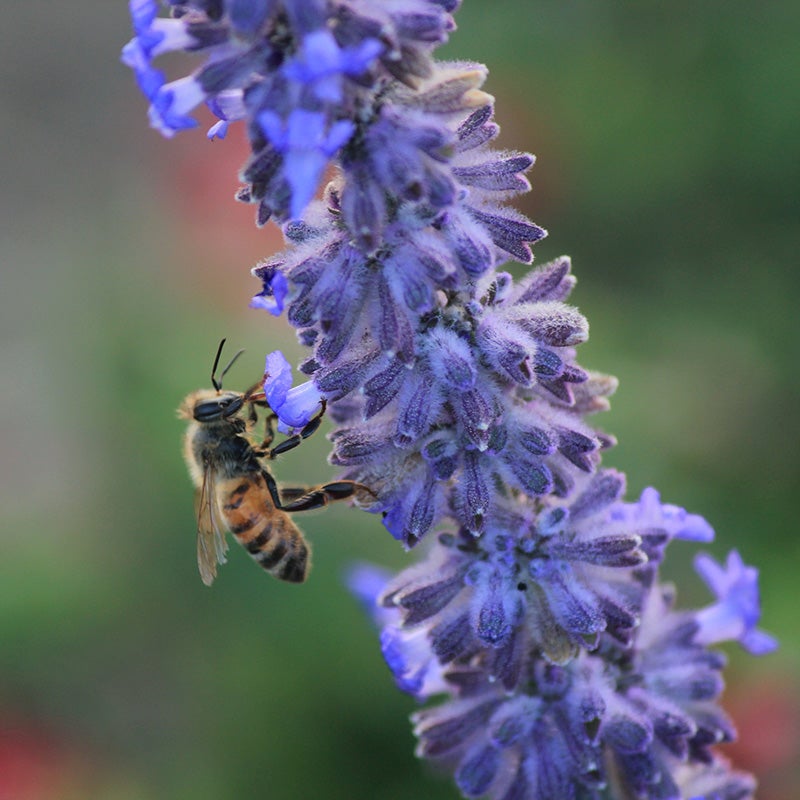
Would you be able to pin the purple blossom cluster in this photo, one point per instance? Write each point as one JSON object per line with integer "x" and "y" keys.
{"x": 535, "y": 614}
{"x": 561, "y": 666}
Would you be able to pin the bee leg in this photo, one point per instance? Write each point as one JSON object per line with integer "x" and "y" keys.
{"x": 272, "y": 487}
{"x": 269, "y": 433}
{"x": 291, "y": 493}
{"x": 307, "y": 430}
{"x": 322, "y": 495}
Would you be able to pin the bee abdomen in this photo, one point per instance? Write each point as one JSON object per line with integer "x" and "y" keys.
{"x": 267, "y": 533}
{"x": 279, "y": 548}
{"x": 286, "y": 558}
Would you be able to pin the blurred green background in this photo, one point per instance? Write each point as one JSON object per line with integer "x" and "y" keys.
{"x": 667, "y": 137}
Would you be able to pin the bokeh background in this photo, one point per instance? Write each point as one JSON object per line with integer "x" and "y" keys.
{"x": 667, "y": 136}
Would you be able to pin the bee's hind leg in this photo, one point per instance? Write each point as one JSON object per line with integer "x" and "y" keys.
{"x": 291, "y": 493}
{"x": 306, "y": 498}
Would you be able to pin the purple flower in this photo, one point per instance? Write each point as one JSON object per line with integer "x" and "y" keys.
{"x": 294, "y": 406}
{"x": 309, "y": 65}
{"x": 637, "y": 717}
{"x": 737, "y": 611}
{"x": 679, "y": 524}
{"x": 485, "y": 395}
{"x": 550, "y": 578}
{"x": 322, "y": 64}
{"x": 306, "y": 146}
{"x": 366, "y": 582}
{"x": 536, "y": 612}
{"x": 171, "y": 104}
{"x": 271, "y": 297}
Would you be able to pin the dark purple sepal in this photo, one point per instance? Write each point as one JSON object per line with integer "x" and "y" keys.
{"x": 440, "y": 734}
{"x": 307, "y": 16}
{"x": 354, "y": 446}
{"x": 477, "y": 130}
{"x": 508, "y": 350}
{"x": 560, "y": 390}
{"x": 496, "y": 606}
{"x": 673, "y": 729}
{"x": 308, "y": 338}
{"x": 536, "y": 441}
{"x": 424, "y": 601}
{"x": 553, "y": 323}
{"x": 383, "y": 387}
{"x": 310, "y": 365}
{"x": 422, "y": 513}
{"x": 532, "y": 477}
{"x": 470, "y": 244}
{"x": 263, "y": 211}
{"x": 363, "y": 206}
{"x": 604, "y": 489}
{"x": 339, "y": 305}
{"x": 393, "y": 325}
{"x": 641, "y": 772}
{"x": 506, "y": 661}
{"x": 477, "y": 770}
{"x": 441, "y": 189}
{"x": 551, "y": 281}
{"x": 511, "y": 232}
{"x": 574, "y": 374}
{"x": 247, "y": 16}
{"x": 431, "y": 27}
{"x": 715, "y": 722}
{"x": 627, "y": 734}
{"x": 621, "y": 621}
{"x": 473, "y": 494}
{"x": 620, "y": 550}
{"x": 477, "y": 414}
{"x": 259, "y": 173}
{"x": 410, "y": 280}
{"x": 577, "y": 448}
{"x": 419, "y": 405}
{"x": 451, "y": 638}
{"x": 222, "y": 74}
{"x": 547, "y": 365}
{"x": 442, "y": 456}
{"x": 338, "y": 381}
{"x": 499, "y": 175}
{"x": 451, "y": 360}
{"x": 575, "y": 607}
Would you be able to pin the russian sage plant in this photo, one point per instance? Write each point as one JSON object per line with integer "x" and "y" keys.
{"x": 557, "y": 662}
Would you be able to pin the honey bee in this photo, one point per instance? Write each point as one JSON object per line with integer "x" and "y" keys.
{"x": 234, "y": 489}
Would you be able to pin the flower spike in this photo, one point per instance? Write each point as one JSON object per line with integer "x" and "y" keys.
{"x": 554, "y": 660}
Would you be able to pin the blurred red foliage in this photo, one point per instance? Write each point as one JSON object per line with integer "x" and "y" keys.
{"x": 34, "y": 765}
{"x": 218, "y": 239}
{"x": 767, "y": 715}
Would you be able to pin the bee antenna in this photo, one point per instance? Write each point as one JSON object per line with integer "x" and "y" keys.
{"x": 217, "y": 384}
{"x": 230, "y": 364}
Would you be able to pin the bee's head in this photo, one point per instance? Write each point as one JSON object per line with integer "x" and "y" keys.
{"x": 217, "y": 406}
{"x": 213, "y": 405}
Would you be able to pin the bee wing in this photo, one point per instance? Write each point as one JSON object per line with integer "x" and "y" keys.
{"x": 211, "y": 530}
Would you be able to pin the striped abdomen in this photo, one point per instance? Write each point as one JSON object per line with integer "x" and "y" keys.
{"x": 266, "y": 532}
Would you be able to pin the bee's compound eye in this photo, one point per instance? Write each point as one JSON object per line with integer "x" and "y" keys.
{"x": 209, "y": 410}
{"x": 231, "y": 403}
{"x": 224, "y": 405}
